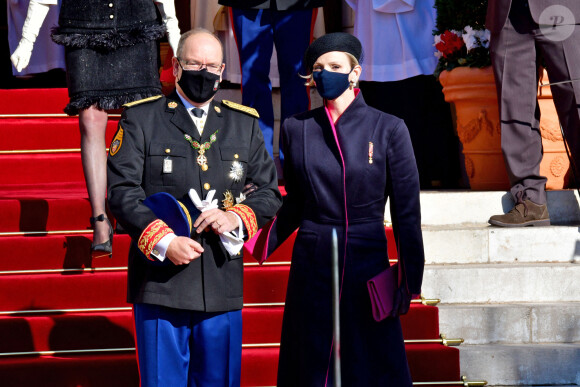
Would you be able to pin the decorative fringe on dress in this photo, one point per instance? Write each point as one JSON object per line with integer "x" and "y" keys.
{"x": 109, "y": 100}
{"x": 109, "y": 40}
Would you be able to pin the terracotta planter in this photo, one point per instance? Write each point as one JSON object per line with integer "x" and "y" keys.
{"x": 555, "y": 163}
{"x": 473, "y": 92}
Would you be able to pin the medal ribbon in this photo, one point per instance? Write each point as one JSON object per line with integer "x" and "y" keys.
{"x": 201, "y": 148}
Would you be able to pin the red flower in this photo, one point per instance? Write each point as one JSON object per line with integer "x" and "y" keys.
{"x": 450, "y": 43}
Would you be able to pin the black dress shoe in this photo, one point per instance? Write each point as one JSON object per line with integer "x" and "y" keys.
{"x": 107, "y": 246}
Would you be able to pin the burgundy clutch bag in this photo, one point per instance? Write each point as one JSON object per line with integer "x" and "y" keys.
{"x": 382, "y": 289}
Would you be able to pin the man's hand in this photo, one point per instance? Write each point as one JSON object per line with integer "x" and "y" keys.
{"x": 183, "y": 250}
{"x": 220, "y": 221}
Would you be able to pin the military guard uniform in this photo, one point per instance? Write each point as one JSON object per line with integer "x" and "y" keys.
{"x": 157, "y": 148}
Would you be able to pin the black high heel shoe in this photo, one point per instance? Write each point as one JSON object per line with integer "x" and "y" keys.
{"x": 107, "y": 246}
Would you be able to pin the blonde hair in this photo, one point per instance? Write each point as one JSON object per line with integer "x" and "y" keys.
{"x": 310, "y": 81}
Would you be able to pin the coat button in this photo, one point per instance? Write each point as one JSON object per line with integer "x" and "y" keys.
{"x": 167, "y": 150}
{"x": 111, "y": 16}
{"x": 236, "y": 156}
{"x": 206, "y": 186}
{"x": 110, "y": 5}
{"x": 204, "y": 167}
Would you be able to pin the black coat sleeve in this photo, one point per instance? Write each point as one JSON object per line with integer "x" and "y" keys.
{"x": 403, "y": 189}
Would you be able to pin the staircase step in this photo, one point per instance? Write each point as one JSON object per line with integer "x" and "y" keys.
{"x": 115, "y": 328}
{"x": 66, "y": 331}
{"x": 497, "y": 283}
{"x": 259, "y": 367}
{"x": 512, "y": 323}
{"x": 467, "y": 208}
{"x": 58, "y": 252}
{"x": 46, "y": 190}
{"x": 46, "y": 133}
{"x": 63, "y": 291}
{"x": 41, "y": 168}
{"x": 34, "y": 214}
{"x": 487, "y": 244}
{"x": 527, "y": 364}
{"x": 23, "y": 101}
{"x": 427, "y": 362}
{"x": 110, "y": 369}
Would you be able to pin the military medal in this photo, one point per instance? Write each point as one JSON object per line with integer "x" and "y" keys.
{"x": 236, "y": 171}
{"x": 370, "y": 152}
{"x": 228, "y": 200}
{"x": 201, "y": 148}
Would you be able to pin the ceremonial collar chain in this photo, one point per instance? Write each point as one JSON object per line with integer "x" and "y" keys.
{"x": 201, "y": 148}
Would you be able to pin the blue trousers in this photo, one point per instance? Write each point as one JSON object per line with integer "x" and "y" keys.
{"x": 257, "y": 31}
{"x": 179, "y": 348}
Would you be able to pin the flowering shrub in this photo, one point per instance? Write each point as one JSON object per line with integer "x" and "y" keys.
{"x": 462, "y": 48}
{"x": 460, "y": 36}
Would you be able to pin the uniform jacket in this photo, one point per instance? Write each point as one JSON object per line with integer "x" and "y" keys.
{"x": 152, "y": 132}
{"x": 278, "y": 5}
{"x": 498, "y": 11}
{"x": 345, "y": 187}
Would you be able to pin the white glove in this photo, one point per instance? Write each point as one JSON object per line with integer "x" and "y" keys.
{"x": 233, "y": 241}
{"x": 34, "y": 18}
{"x": 167, "y": 11}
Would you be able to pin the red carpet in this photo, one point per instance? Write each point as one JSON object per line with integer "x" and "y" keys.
{"x": 63, "y": 316}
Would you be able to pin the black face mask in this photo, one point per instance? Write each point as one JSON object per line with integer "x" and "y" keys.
{"x": 199, "y": 86}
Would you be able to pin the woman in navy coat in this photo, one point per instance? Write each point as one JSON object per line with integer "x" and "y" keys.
{"x": 343, "y": 160}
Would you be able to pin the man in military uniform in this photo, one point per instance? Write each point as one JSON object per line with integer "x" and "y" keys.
{"x": 187, "y": 292}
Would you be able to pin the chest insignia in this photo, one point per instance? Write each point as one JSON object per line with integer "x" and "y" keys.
{"x": 228, "y": 200}
{"x": 117, "y": 142}
{"x": 172, "y": 105}
{"x": 236, "y": 171}
{"x": 201, "y": 148}
{"x": 370, "y": 152}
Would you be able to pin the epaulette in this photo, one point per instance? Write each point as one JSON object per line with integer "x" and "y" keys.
{"x": 140, "y": 101}
{"x": 242, "y": 108}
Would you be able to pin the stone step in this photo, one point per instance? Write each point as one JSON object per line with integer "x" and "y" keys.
{"x": 503, "y": 283}
{"x": 488, "y": 244}
{"x": 533, "y": 323}
{"x": 527, "y": 364}
{"x": 461, "y": 207}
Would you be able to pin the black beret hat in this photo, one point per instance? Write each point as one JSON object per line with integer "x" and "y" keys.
{"x": 335, "y": 41}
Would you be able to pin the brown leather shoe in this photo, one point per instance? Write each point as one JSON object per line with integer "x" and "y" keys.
{"x": 525, "y": 213}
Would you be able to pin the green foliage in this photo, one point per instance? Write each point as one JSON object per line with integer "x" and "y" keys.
{"x": 456, "y": 14}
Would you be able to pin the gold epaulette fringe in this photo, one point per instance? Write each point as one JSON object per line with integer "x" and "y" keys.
{"x": 140, "y": 101}
{"x": 242, "y": 108}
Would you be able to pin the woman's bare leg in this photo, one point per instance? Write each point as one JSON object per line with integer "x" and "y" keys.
{"x": 93, "y": 125}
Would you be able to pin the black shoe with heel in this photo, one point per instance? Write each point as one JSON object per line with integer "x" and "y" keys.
{"x": 107, "y": 246}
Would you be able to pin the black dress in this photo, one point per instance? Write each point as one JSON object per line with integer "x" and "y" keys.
{"x": 111, "y": 51}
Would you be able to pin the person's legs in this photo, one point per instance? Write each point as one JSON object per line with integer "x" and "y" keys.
{"x": 93, "y": 125}
{"x": 216, "y": 349}
{"x": 253, "y": 33}
{"x": 562, "y": 60}
{"x": 292, "y": 36}
{"x": 513, "y": 54}
{"x": 162, "y": 336}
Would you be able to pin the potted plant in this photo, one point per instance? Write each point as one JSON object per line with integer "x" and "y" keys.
{"x": 464, "y": 70}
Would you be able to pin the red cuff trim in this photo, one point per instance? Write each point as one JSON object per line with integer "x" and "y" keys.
{"x": 151, "y": 236}
{"x": 248, "y": 217}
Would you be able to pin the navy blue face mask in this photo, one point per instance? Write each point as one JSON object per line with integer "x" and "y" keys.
{"x": 330, "y": 85}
